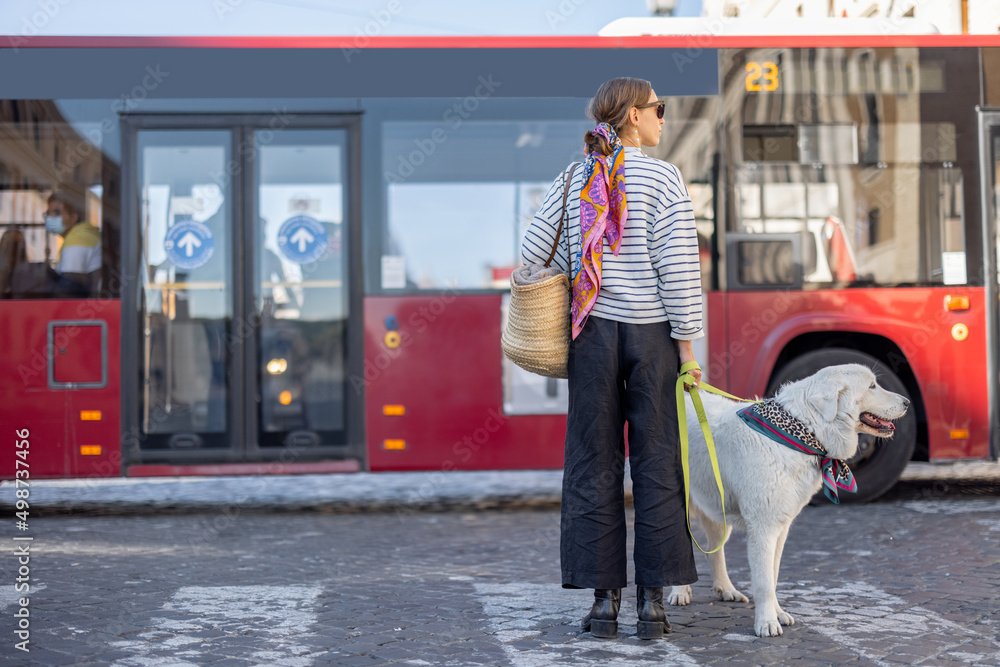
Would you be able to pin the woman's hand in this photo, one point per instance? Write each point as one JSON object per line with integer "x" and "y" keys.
{"x": 686, "y": 355}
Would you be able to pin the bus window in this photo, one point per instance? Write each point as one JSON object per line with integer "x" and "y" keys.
{"x": 883, "y": 224}
{"x": 56, "y": 184}
{"x": 481, "y": 182}
{"x": 865, "y": 163}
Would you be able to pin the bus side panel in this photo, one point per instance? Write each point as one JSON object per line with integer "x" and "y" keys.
{"x": 717, "y": 361}
{"x": 951, "y": 373}
{"x": 446, "y": 373}
{"x": 61, "y": 439}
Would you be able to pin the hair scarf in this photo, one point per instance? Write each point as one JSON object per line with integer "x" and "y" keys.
{"x": 602, "y": 215}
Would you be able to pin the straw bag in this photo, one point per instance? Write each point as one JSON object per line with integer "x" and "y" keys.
{"x": 537, "y": 334}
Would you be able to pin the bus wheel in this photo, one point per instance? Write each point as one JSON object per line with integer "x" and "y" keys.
{"x": 879, "y": 461}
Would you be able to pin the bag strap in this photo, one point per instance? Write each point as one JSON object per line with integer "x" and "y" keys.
{"x": 566, "y": 183}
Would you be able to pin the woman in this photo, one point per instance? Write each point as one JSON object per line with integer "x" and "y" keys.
{"x": 635, "y": 311}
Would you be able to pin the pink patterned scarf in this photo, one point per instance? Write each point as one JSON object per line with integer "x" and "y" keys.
{"x": 602, "y": 215}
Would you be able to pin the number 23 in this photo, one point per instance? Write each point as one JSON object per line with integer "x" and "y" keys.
{"x": 754, "y": 70}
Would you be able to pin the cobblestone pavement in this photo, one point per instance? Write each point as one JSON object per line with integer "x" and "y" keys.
{"x": 914, "y": 580}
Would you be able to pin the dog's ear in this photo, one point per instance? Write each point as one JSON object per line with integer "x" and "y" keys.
{"x": 824, "y": 397}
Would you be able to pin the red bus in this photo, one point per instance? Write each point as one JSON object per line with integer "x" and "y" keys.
{"x": 301, "y": 246}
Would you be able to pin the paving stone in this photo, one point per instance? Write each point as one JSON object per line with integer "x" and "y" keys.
{"x": 37, "y": 656}
{"x": 357, "y": 661}
{"x": 391, "y": 653}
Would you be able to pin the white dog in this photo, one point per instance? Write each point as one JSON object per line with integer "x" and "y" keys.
{"x": 767, "y": 483}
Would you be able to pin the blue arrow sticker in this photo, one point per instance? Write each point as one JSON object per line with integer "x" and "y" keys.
{"x": 189, "y": 244}
{"x": 302, "y": 239}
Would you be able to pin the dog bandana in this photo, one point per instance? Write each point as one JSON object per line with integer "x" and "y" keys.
{"x": 770, "y": 419}
{"x": 602, "y": 214}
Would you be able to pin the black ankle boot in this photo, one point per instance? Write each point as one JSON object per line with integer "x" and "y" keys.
{"x": 602, "y": 621}
{"x": 653, "y": 621}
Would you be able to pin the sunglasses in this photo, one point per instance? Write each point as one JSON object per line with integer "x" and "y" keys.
{"x": 660, "y": 106}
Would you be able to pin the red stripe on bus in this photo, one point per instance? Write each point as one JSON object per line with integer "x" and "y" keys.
{"x": 502, "y": 41}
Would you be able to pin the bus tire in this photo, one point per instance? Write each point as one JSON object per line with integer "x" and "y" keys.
{"x": 879, "y": 461}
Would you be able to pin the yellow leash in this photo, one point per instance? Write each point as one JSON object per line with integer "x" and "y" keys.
{"x": 687, "y": 378}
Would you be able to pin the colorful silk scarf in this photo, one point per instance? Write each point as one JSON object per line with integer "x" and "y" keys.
{"x": 770, "y": 419}
{"x": 602, "y": 215}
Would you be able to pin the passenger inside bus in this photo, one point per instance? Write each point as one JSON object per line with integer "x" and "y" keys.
{"x": 79, "y": 264}
{"x": 22, "y": 279}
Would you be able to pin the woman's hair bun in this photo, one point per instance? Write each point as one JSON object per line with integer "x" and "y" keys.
{"x": 611, "y": 105}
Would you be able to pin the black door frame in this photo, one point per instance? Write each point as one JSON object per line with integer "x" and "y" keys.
{"x": 243, "y": 424}
{"x": 989, "y": 127}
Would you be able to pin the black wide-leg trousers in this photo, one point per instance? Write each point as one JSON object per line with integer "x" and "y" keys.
{"x": 622, "y": 372}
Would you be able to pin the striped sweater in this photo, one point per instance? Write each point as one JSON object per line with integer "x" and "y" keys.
{"x": 656, "y": 275}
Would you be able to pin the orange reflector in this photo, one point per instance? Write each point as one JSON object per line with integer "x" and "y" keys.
{"x": 285, "y": 397}
{"x": 90, "y": 415}
{"x": 394, "y": 410}
{"x": 956, "y": 302}
{"x": 90, "y": 450}
{"x": 961, "y": 434}
{"x": 394, "y": 444}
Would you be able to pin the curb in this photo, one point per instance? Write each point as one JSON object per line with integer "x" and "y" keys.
{"x": 400, "y": 493}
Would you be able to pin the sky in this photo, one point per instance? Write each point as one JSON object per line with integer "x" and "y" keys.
{"x": 319, "y": 17}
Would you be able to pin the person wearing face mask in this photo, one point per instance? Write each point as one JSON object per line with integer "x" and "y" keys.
{"x": 80, "y": 258}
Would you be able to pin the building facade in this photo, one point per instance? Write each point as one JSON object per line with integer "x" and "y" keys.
{"x": 981, "y": 16}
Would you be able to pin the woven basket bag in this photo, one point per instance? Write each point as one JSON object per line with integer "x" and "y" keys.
{"x": 537, "y": 334}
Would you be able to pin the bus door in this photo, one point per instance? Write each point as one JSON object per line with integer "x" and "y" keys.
{"x": 989, "y": 169}
{"x": 237, "y": 325}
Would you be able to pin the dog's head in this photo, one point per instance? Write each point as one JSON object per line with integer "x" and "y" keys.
{"x": 840, "y": 402}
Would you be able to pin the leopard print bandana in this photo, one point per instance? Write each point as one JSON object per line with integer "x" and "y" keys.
{"x": 770, "y": 419}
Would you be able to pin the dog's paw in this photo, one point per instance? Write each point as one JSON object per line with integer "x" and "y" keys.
{"x": 679, "y": 596}
{"x": 785, "y": 618}
{"x": 730, "y": 594}
{"x": 767, "y": 627}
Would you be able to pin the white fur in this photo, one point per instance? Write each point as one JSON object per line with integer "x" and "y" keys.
{"x": 767, "y": 484}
